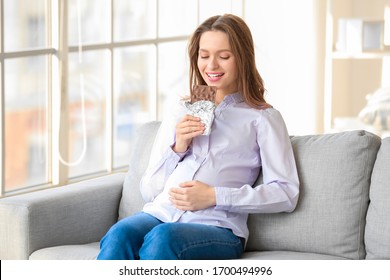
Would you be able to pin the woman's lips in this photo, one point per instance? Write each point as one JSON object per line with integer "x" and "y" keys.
{"x": 214, "y": 77}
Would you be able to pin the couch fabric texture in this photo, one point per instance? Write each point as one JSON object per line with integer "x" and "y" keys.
{"x": 377, "y": 234}
{"x": 343, "y": 210}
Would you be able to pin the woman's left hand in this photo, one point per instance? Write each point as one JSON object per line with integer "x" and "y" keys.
{"x": 192, "y": 196}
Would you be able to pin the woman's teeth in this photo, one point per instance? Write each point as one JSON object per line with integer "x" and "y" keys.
{"x": 214, "y": 75}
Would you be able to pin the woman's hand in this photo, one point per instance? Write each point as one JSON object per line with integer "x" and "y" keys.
{"x": 192, "y": 196}
{"x": 188, "y": 128}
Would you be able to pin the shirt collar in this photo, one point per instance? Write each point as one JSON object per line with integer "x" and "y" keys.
{"x": 233, "y": 98}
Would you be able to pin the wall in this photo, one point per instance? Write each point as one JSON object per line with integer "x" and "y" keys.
{"x": 290, "y": 48}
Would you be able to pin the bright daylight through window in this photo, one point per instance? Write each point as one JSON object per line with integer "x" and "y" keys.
{"x": 79, "y": 76}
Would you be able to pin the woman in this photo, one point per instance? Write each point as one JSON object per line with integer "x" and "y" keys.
{"x": 198, "y": 188}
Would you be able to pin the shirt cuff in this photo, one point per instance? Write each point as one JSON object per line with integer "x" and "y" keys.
{"x": 181, "y": 155}
{"x": 223, "y": 198}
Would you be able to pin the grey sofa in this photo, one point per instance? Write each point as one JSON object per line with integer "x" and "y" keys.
{"x": 343, "y": 210}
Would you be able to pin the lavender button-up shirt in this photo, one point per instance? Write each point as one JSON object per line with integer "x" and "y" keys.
{"x": 242, "y": 142}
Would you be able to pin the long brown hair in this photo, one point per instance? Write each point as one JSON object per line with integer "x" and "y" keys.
{"x": 250, "y": 83}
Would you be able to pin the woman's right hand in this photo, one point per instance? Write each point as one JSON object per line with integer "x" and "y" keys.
{"x": 188, "y": 128}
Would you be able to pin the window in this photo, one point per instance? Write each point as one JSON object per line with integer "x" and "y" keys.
{"x": 24, "y": 86}
{"x": 79, "y": 76}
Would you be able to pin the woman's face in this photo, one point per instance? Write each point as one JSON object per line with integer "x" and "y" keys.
{"x": 217, "y": 63}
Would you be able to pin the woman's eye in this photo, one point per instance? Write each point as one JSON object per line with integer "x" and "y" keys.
{"x": 204, "y": 57}
{"x": 225, "y": 57}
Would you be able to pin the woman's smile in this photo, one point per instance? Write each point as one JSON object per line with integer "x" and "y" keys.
{"x": 214, "y": 77}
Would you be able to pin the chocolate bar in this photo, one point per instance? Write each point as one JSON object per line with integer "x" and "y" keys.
{"x": 203, "y": 92}
{"x": 202, "y": 105}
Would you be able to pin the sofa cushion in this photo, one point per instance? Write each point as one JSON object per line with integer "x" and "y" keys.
{"x": 286, "y": 255}
{"x": 87, "y": 251}
{"x": 334, "y": 172}
{"x": 377, "y": 235}
{"x": 132, "y": 201}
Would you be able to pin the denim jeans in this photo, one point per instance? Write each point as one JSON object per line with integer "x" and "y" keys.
{"x": 144, "y": 237}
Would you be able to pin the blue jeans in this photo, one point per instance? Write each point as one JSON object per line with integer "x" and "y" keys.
{"x": 144, "y": 237}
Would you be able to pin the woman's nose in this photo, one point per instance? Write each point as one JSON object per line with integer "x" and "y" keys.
{"x": 213, "y": 63}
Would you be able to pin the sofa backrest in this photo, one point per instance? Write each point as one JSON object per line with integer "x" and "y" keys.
{"x": 334, "y": 172}
{"x": 377, "y": 235}
{"x": 132, "y": 201}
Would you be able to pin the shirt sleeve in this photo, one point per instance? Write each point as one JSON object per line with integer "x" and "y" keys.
{"x": 163, "y": 159}
{"x": 280, "y": 190}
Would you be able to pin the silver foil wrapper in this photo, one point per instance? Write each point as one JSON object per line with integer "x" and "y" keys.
{"x": 204, "y": 110}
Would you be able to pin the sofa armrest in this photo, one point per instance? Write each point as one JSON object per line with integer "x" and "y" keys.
{"x": 74, "y": 214}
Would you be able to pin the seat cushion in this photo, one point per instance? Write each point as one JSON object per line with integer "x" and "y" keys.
{"x": 69, "y": 252}
{"x": 377, "y": 237}
{"x": 335, "y": 173}
{"x": 286, "y": 255}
